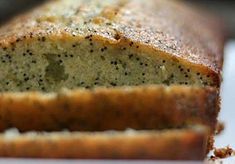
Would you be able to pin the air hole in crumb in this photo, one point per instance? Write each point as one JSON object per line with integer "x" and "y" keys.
{"x": 54, "y": 69}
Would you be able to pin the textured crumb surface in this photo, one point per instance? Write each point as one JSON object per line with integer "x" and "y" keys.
{"x": 142, "y": 107}
{"x": 129, "y": 144}
{"x": 49, "y": 68}
{"x": 72, "y": 43}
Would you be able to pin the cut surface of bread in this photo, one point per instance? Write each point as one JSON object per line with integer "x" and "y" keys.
{"x": 179, "y": 144}
{"x": 140, "y": 107}
{"x": 75, "y": 43}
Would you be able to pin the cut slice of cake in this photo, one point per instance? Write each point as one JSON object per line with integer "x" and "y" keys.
{"x": 178, "y": 144}
{"x": 140, "y": 107}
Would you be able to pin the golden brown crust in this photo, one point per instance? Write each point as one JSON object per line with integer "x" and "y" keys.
{"x": 184, "y": 144}
{"x": 168, "y": 28}
{"x": 142, "y": 107}
{"x": 210, "y": 143}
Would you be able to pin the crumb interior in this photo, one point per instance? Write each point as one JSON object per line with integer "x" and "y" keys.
{"x": 49, "y": 66}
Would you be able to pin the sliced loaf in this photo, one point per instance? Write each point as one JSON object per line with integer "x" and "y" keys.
{"x": 77, "y": 44}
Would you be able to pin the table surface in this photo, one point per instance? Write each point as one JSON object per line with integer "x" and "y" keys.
{"x": 227, "y": 115}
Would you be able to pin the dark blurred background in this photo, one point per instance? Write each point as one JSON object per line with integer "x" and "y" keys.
{"x": 9, "y": 8}
{"x": 224, "y": 8}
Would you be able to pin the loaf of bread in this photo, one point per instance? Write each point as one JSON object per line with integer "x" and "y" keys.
{"x": 187, "y": 144}
{"x": 53, "y": 58}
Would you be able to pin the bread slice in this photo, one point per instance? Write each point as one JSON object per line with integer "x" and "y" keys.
{"x": 180, "y": 144}
{"x": 75, "y": 43}
{"x": 141, "y": 107}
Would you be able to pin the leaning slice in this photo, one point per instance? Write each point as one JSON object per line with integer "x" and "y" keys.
{"x": 181, "y": 144}
{"x": 142, "y": 107}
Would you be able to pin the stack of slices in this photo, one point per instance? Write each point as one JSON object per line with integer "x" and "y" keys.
{"x": 106, "y": 79}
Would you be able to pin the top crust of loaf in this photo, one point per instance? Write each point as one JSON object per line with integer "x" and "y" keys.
{"x": 167, "y": 28}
